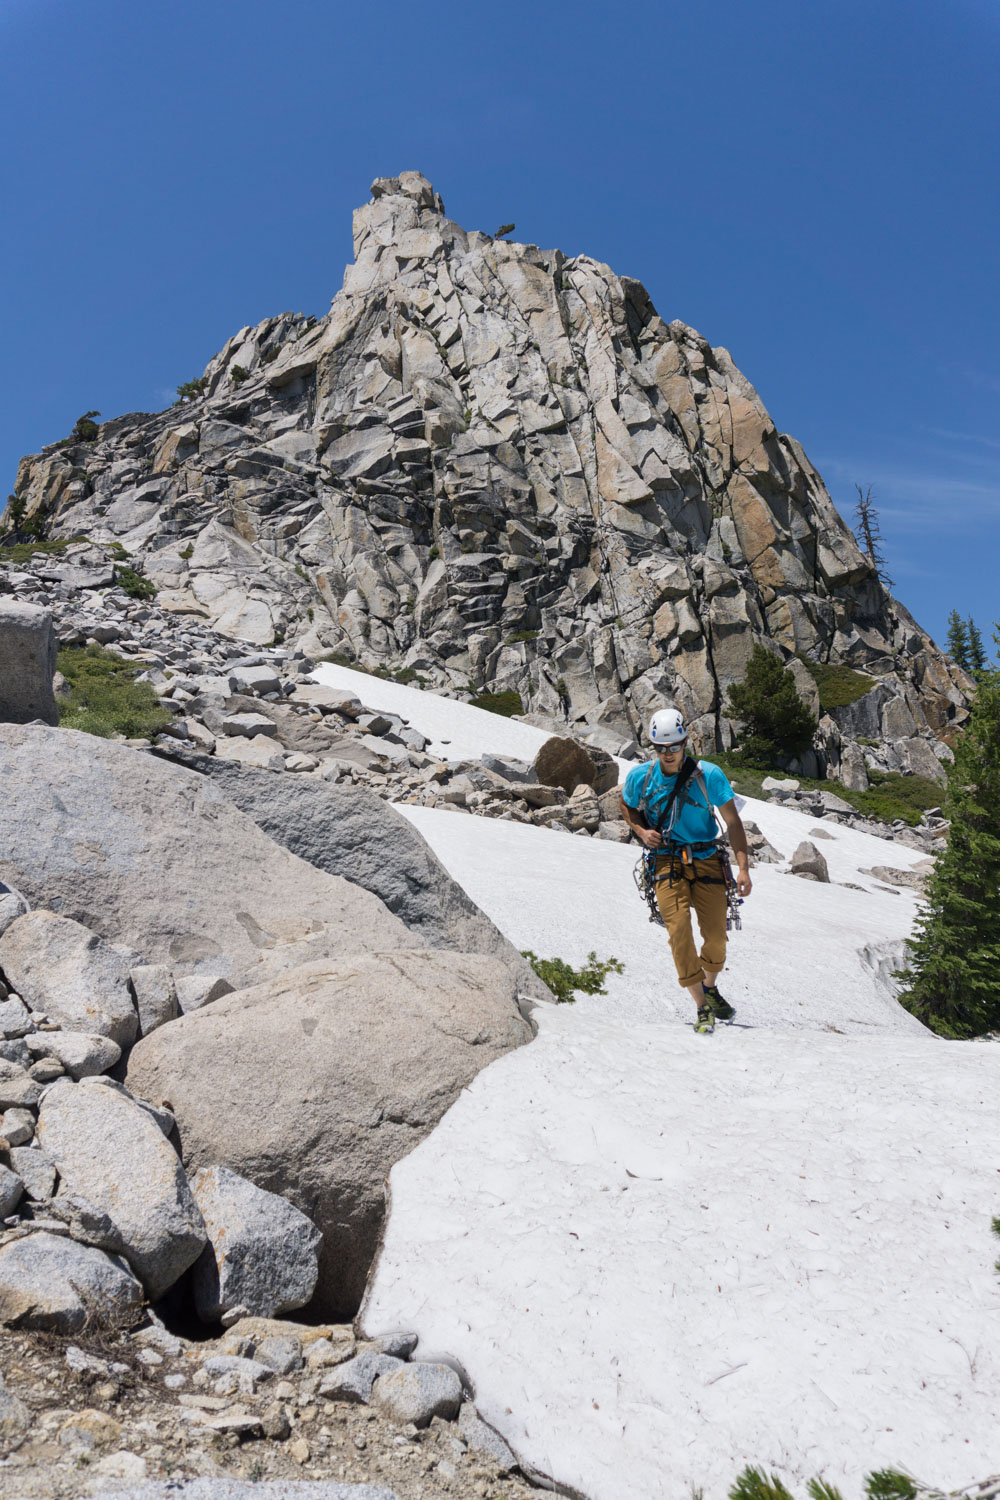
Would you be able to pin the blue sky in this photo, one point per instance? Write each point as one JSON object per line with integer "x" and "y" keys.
{"x": 812, "y": 185}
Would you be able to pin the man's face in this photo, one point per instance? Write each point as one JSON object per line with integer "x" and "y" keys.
{"x": 671, "y": 757}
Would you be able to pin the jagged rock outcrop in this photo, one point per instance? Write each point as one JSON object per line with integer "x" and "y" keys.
{"x": 495, "y": 464}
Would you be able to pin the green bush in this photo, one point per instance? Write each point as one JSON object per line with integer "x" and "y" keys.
{"x": 562, "y": 980}
{"x": 883, "y": 1484}
{"x": 187, "y": 552}
{"x": 838, "y": 686}
{"x": 104, "y": 698}
{"x": 522, "y": 635}
{"x": 190, "y": 389}
{"x": 505, "y": 704}
{"x": 995, "y": 1226}
{"x": 766, "y": 703}
{"x": 19, "y": 552}
{"x": 14, "y": 512}
{"x": 85, "y": 429}
{"x": 134, "y": 584}
{"x": 237, "y": 375}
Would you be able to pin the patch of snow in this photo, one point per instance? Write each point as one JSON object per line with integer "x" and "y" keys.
{"x": 456, "y": 731}
{"x": 663, "y": 1256}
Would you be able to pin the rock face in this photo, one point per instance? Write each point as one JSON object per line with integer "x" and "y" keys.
{"x": 60, "y": 968}
{"x": 109, "y": 1151}
{"x": 351, "y": 832}
{"x": 314, "y": 1085}
{"x": 493, "y": 463}
{"x": 261, "y": 1252}
{"x": 27, "y": 663}
{"x": 153, "y": 855}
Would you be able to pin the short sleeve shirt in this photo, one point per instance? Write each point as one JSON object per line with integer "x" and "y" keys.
{"x": 695, "y": 822}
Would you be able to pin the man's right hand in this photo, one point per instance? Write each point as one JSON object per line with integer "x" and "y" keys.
{"x": 649, "y": 837}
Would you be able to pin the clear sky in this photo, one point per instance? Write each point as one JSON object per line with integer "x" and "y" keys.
{"x": 813, "y": 185}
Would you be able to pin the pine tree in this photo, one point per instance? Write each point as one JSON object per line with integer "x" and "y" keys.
{"x": 958, "y": 640}
{"x": 954, "y": 983}
{"x": 766, "y": 703}
{"x": 869, "y": 535}
{"x": 977, "y": 653}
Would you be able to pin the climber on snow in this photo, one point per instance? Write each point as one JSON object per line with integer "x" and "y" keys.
{"x": 669, "y": 805}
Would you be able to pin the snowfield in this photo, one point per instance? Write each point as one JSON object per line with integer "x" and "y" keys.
{"x": 663, "y": 1256}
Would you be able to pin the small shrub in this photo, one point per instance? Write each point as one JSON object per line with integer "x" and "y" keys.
{"x": 278, "y": 638}
{"x": 434, "y": 554}
{"x": 13, "y": 516}
{"x": 187, "y": 552}
{"x": 104, "y": 699}
{"x": 995, "y": 1226}
{"x": 839, "y": 686}
{"x": 117, "y": 550}
{"x": 134, "y": 584}
{"x": 85, "y": 429}
{"x": 754, "y": 1484}
{"x": 237, "y": 375}
{"x": 191, "y": 389}
{"x": 309, "y": 612}
{"x": 522, "y": 635}
{"x": 562, "y": 979}
{"x": 505, "y": 704}
{"x": 269, "y": 353}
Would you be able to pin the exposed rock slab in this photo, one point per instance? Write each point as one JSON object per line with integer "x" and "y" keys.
{"x": 372, "y": 1050}
{"x": 153, "y": 855}
{"x": 108, "y": 1150}
{"x": 27, "y": 663}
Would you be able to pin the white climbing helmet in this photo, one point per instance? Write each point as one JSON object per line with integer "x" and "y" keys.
{"x": 667, "y": 727}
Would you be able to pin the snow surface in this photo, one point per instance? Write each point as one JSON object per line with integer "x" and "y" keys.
{"x": 663, "y": 1256}
{"x": 456, "y": 731}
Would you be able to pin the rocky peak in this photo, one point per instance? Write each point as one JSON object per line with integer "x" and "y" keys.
{"x": 493, "y": 465}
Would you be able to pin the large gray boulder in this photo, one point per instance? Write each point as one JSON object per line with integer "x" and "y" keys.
{"x": 153, "y": 855}
{"x": 109, "y": 1151}
{"x": 27, "y": 663}
{"x": 809, "y": 864}
{"x": 349, "y": 831}
{"x": 61, "y": 968}
{"x": 50, "y": 1282}
{"x": 262, "y": 1253}
{"x": 417, "y": 1393}
{"x": 314, "y": 1085}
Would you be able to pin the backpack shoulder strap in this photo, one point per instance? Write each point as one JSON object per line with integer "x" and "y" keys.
{"x": 699, "y": 780}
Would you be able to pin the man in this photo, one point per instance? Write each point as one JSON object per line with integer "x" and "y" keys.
{"x": 668, "y": 805}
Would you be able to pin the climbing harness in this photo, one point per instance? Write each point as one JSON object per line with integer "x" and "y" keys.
{"x": 644, "y": 874}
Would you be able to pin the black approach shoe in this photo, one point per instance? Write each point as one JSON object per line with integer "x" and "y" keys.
{"x": 722, "y": 1008}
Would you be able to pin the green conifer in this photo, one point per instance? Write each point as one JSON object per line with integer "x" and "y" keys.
{"x": 774, "y": 718}
{"x": 954, "y": 983}
{"x": 958, "y": 640}
{"x": 977, "y": 653}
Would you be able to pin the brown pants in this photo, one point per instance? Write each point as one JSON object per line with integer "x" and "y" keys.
{"x": 677, "y": 891}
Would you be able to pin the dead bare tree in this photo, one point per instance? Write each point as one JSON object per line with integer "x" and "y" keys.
{"x": 869, "y": 535}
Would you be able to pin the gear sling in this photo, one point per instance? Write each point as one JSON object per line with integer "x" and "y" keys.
{"x": 644, "y": 873}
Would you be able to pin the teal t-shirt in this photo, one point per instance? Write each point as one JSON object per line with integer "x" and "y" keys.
{"x": 695, "y": 822}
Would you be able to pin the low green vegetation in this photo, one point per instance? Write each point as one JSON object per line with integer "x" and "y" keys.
{"x": 20, "y": 552}
{"x": 839, "y": 686}
{"x": 522, "y": 635}
{"x": 505, "y": 704}
{"x": 237, "y": 375}
{"x": 135, "y": 584}
{"x": 890, "y": 796}
{"x": 995, "y": 1226}
{"x": 882, "y": 1484}
{"x": 563, "y": 980}
{"x": 104, "y": 698}
{"x": 766, "y": 704}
